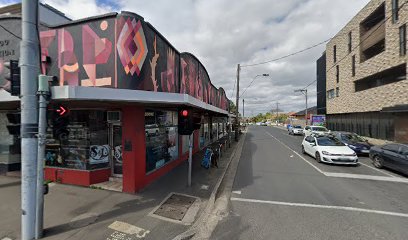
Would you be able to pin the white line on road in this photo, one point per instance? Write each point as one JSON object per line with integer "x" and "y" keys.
{"x": 405, "y": 215}
{"x": 296, "y": 153}
{"x": 366, "y": 177}
{"x": 381, "y": 171}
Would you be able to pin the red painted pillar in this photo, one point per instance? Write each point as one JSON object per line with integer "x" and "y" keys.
{"x": 134, "y": 148}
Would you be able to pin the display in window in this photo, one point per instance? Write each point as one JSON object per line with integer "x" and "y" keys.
{"x": 161, "y": 138}
{"x": 99, "y": 154}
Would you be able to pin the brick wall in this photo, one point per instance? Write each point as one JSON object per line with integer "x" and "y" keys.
{"x": 373, "y": 99}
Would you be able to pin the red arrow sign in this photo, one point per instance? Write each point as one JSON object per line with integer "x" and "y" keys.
{"x": 61, "y": 110}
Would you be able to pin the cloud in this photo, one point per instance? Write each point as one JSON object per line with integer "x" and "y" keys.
{"x": 223, "y": 33}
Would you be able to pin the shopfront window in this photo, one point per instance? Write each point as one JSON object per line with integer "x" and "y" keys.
{"x": 86, "y": 144}
{"x": 204, "y": 133}
{"x": 9, "y": 142}
{"x": 161, "y": 138}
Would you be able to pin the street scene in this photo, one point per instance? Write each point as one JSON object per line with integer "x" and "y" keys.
{"x": 125, "y": 120}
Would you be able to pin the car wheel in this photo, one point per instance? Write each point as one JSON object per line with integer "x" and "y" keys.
{"x": 318, "y": 157}
{"x": 378, "y": 162}
{"x": 303, "y": 150}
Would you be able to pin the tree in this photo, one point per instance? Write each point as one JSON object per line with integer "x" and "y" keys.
{"x": 232, "y": 107}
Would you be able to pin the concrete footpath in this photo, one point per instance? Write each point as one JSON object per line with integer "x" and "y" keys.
{"x": 73, "y": 212}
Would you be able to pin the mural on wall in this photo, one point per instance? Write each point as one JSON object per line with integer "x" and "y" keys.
{"x": 140, "y": 58}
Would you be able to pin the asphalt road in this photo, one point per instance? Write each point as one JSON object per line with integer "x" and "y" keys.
{"x": 278, "y": 193}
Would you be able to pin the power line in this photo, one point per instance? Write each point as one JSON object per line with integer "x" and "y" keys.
{"x": 251, "y": 83}
{"x": 5, "y": 29}
{"x": 364, "y": 39}
{"x": 289, "y": 55}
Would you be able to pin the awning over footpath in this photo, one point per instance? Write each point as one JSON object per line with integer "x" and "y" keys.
{"x": 78, "y": 93}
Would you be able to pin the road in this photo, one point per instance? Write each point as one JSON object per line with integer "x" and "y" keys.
{"x": 278, "y": 193}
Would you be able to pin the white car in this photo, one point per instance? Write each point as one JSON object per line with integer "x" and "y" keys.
{"x": 328, "y": 149}
{"x": 317, "y": 130}
{"x": 296, "y": 130}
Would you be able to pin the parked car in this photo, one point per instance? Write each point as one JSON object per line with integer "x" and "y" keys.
{"x": 152, "y": 129}
{"x": 318, "y": 130}
{"x": 296, "y": 130}
{"x": 393, "y": 156}
{"x": 328, "y": 149}
{"x": 353, "y": 141}
{"x": 264, "y": 124}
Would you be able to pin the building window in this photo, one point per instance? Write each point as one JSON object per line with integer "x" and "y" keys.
{"x": 403, "y": 39}
{"x": 161, "y": 138}
{"x": 334, "y": 53}
{"x": 372, "y": 34}
{"x": 353, "y": 65}
{"x": 330, "y": 94}
{"x": 395, "y": 8}
{"x": 337, "y": 73}
{"x": 349, "y": 42}
{"x": 337, "y": 91}
{"x": 85, "y": 143}
{"x": 388, "y": 76}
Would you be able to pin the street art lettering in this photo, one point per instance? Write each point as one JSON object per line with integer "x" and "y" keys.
{"x": 118, "y": 154}
{"x": 99, "y": 154}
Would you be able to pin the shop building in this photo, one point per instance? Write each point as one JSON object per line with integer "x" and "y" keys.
{"x": 366, "y": 73}
{"x": 122, "y": 83}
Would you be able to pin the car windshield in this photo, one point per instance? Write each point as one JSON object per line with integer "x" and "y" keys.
{"x": 297, "y": 127}
{"x": 319, "y": 129}
{"x": 328, "y": 141}
{"x": 352, "y": 138}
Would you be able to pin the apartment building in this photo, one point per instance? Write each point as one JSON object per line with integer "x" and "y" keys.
{"x": 366, "y": 73}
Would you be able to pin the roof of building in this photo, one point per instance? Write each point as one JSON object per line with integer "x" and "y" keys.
{"x": 311, "y": 110}
{"x": 16, "y": 9}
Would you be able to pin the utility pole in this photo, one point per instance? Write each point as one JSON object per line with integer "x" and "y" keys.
{"x": 277, "y": 112}
{"x": 30, "y": 68}
{"x": 237, "y": 102}
{"x": 304, "y": 92}
{"x": 243, "y": 108}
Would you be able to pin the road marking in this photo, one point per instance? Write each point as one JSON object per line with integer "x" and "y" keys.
{"x": 381, "y": 171}
{"x": 353, "y": 209}
{"x": 237, "y": 192}
{"x": 347, "y": 175}
{"x": 129, "y": 229}
{"x": 366, "y": 177}
{"x": 318, "y": 169}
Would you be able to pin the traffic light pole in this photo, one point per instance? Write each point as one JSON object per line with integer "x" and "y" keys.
{"x": 43, "y": 94}
{"x": 30, "y": 68}
{"x": 190, "y": 158}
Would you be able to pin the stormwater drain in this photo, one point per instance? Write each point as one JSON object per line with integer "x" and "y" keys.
{"x": 175, "y": 206}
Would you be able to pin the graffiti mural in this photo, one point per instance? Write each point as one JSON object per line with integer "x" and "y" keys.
{"x": 123, "y": 51}
{"x": 99, "y": 154}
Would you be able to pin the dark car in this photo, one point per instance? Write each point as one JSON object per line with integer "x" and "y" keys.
{"x": 354, "y": 141}
{"x": 394, "y": 156}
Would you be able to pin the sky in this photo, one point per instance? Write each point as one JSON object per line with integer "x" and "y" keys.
{"x": 224, "y": 33}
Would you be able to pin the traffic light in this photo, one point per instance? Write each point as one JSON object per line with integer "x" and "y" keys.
{"x": 188, "y": 121}
{"x": 13, "y": 76}
{"x": 185, "y": 126}
{"x": 60, "y": 122}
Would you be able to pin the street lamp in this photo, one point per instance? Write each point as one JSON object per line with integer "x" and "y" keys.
{"x": 237, "y": 99}
{"x": 304, "y": 92}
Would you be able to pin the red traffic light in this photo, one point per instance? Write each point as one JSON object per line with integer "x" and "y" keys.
{"x": 61, "y": 110}
{"x": 184, "y": 113}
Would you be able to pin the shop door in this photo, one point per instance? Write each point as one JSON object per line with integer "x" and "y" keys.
{"x": 115, "y": 142}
